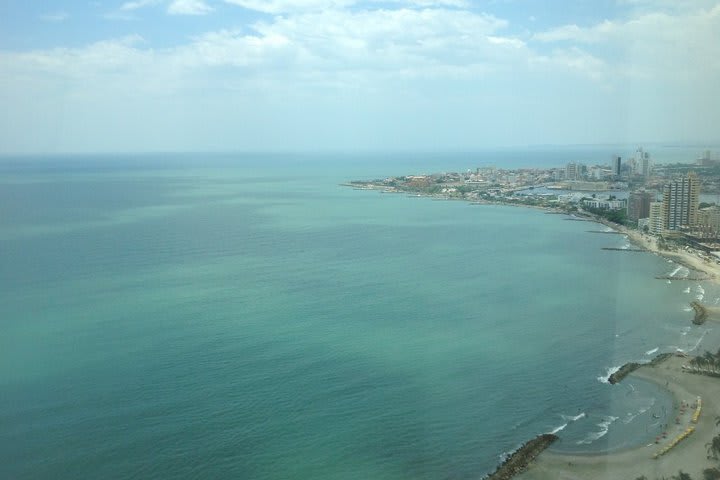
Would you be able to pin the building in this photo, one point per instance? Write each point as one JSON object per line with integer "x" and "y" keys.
{"x": 605, "y": 204}
{"x": 616, "y": 166}
{"x": 639, "y": 205}
{"x": 709, "y": 221}
{"x": 645, "y": 164}
{"x": 572, "y": 171}
{"x": 657, "y": 218}
{"x": 680, "y": 202}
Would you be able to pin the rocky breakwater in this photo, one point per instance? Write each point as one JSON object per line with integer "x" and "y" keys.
{"x": 519, "y": 460}
{"x": 626, "y": 369}
{"x": 701, "y": 312}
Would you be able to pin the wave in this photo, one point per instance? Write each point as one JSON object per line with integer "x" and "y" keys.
{"x": 674, "y": 272}
{"x": 698, "y": 342}
{"x": 650, "y": 352}
{"x": 687, "y": 290}
{"x": 558, "y": 429}
{"x": 604, "y": 428}
{"x": 700, "y": 290}
{"x": 606, "y": 378}
{"x": 629, "y": 417}
{"x": 575, "y": 418}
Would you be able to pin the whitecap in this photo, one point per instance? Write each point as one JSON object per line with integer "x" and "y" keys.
{"x": 558, "y": 429}
{"x": 650, "y": 352}
{"x": 575, "y": 418}
{"x": 606, "y": 378}
{"x": 687, "y": 290}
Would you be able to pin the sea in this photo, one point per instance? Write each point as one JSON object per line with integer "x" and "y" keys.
{"x": 202, "y": 316}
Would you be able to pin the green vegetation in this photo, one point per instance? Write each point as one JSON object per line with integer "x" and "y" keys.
{"x": 709, "y": 362}
{"x": 615, "y": 216}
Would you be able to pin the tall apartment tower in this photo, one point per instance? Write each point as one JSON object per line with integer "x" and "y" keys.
{"x": 616, "y": 165}
{"x": 680, "y": 202}
{"x": 572, "y": 171}
{"x": 645, "y": 165}
{"x": 639, "y": 205}
{"x": 657, "y": 218}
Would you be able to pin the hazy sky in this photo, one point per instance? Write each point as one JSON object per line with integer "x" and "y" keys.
{"x": 178, "y": 75}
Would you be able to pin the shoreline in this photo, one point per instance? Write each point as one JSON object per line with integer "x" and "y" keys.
{"x": 665, "y": 370}
{"x": 689, "y": 455}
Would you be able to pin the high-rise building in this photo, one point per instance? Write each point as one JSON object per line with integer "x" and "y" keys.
{"x": 645, "y": 164}
{"x": 680, "y": 202}
{"x": 572, "y": 171}
{"x": 657, "y": 218}
{"x": 639, "y": 205}
{"x": 616, "y": 165}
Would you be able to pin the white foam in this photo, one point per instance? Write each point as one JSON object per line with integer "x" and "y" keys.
{"x": 606, "y": 378}
{"x": 687, "y": 290}
{"x": 700, "y": 289}
{"x": 558, "y": 429}
{"x": 604, "y": 428}
{"x": 650, "y": 352}
{"x": 674, "y": 272}
{"x": 575, "y": 418}
{"x": 669, "y": 281}
{"x": 698, "y": 342}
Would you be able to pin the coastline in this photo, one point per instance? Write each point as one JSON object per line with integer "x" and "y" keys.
{"x": 665, "y": 370}
{"x": 689, "y": 455}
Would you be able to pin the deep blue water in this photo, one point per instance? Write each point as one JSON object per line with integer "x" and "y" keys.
{"x": 244, "y": 316}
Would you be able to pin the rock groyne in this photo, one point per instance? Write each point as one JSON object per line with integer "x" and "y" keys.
{"x": 519, "y": 460}
{"x": 701, "y": 312}
{"x": 626, "y": 369}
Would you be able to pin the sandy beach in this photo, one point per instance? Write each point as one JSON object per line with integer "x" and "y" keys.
{"x": 689, "y": 455}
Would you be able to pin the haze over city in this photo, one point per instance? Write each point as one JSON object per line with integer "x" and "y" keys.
{"x": 149, "y": 75}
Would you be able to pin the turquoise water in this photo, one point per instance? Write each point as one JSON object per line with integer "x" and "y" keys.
{"x": 247, "y": 317}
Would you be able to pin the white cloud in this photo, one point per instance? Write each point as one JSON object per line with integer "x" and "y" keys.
{"x": 285, "y": 6}
{"x": 435, "y": 63}
{"x": 137, "y": 4}
{"x": 189, "y": 7}
{"x": 55, "y": 17}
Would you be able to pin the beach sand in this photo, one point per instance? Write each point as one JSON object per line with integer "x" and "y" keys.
{"x": 690, "y": 455}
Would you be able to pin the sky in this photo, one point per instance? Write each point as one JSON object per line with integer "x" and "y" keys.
{"x": 312, "y": 75}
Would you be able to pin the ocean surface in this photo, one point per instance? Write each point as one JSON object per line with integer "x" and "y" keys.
{"x": 245, "y": 316}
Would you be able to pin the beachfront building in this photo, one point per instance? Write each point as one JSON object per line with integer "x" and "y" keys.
{"x": 680, "y": 202}
{"x": 709, "y": 221}
{"x": 656, "y": 225}
{"x": 639, "y": 205}
{"x": 605, "y": 204}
